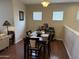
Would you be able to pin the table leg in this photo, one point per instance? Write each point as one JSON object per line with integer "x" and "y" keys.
{"x": 44, "y": 51}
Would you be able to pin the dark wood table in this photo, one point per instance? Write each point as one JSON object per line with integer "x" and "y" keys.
{"x": 42, "y": 41}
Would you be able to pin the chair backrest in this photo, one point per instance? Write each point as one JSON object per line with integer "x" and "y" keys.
{"x": 28, "y": 33}
{"x": 26, "y": 41}
{"x": 52, "y": 36}
{"x": 33, "y": 42}
{"x": 51, "y": 29}
{"x": 49, "y": 37}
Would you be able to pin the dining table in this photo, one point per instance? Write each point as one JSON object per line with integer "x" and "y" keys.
{"x": 42, "y": 40}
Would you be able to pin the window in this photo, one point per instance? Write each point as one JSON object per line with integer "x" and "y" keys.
{"x": 57, "y": 15}
{"x": 37, "y": 15}
{"x": 77, "y": 15}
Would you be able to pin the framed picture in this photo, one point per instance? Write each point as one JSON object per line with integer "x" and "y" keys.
{"x": 21, "y": 15}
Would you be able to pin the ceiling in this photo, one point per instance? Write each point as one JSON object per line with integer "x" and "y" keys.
{"x": 52, "y": 1}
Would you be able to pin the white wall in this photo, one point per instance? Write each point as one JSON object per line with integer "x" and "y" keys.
{"x": 19, "y": 25}
{"x": 6, "y": 11}
{"x": 71, "y": 42}
{"x": 9, "y": 10}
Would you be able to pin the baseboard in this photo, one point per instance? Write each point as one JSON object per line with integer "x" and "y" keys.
{"x": 18, "y": 41}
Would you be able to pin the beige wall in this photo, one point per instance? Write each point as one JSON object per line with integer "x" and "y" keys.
{"x": 6, "y": 11}
{"x": 69, "y": 17}
{"x": 19, "y": 25}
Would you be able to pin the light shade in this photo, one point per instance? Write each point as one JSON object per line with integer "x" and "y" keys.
{"x": 45, "y": 3}
{"x": 6, "y": 23}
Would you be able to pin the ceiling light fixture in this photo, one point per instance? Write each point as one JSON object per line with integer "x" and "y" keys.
{"x": 45, "y": 3}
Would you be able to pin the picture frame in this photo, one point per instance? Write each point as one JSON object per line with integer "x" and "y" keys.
{"x": 21, "y": 15}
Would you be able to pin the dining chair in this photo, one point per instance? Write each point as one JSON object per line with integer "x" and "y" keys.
{"x": 50, "y": 37}
{"x": 52, "y": 31}
{"x": 26, "y": 46}
{"x": 34, "y": 48}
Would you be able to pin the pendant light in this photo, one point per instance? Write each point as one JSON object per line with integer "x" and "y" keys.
{"x": 45, "y": 3}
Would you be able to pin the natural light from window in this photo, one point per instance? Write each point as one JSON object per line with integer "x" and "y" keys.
{"x": 37, "y": 15}
{"x": 77, "y": 15}
{"x": 57, "y": 15}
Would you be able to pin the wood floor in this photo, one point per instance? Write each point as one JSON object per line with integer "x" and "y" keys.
{"x": 58, "y": 51}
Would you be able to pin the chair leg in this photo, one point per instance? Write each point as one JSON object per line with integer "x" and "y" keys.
{"x": 24, "y": 51}
{"x": 48, "y": 49}
{"x": 44, "y": 49}
{"x": 38, "y": 55}
{"x": 27, "y": 54}
{"x": 24, "y": 54}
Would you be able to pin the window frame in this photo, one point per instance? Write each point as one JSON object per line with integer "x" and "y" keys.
{"x": 77, "y": 15}
{"x": 58, "y": 19}
{"x": 37, "y": 19}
